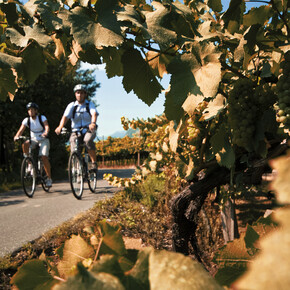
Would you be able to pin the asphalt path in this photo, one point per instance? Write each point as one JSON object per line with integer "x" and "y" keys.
{"x": 24, "y": 219}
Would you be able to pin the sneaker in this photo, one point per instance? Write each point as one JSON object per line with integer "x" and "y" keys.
{"x": 48, "y": 182}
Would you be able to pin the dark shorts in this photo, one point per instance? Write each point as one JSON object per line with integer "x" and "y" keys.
{"x": 88, "y": 140}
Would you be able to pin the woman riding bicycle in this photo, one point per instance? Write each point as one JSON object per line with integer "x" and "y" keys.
{"x": 39, "y": 128}
{"x": 83, "y": 115}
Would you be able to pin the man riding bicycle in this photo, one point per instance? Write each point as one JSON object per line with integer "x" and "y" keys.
{"x": 39, "y": 128}
{"x": 83, "y": 115}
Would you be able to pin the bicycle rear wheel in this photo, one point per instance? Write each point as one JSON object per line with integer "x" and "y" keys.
{"x": 92, "y": 179}
{"x": 43, "y": 177}
{"x": 75, "y": 175}
{"x": 28, "y": 176}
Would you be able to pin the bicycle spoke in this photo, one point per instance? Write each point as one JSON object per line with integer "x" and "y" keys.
{"x": 28, "y": 176}
{"x": 76, "y": 175}
{"x": 92, "y": 179}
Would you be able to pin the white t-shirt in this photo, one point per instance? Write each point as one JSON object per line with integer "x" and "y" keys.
{"x": 36, "y": 129}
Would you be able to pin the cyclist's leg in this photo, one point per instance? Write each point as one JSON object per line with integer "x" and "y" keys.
{"x": 25, "y": 147}
{"x": 44, "y": 147}
{"x": 89, "y": 142}
{"x": 72, "y": 141}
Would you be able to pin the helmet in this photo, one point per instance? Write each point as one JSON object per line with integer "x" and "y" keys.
{"x": 80, "y": 87}
{"x": 31, "y": 105}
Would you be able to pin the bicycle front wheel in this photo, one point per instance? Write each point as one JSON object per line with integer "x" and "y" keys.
{"x": 28, "y": 176}
{"x": 75, "y": 175}
{"x": 43, "y": 177}
{"x": 92, "y": 179}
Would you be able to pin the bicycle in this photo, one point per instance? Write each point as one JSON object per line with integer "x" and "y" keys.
{"x": 32, "y": 172}
{"x": 80, "y": 168}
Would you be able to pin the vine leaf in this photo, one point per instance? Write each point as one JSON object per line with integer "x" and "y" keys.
{"x": 196, "y": 73}
{"x": 112, "y": 57}
{"x": 257, "y": 15}
{"x": 129, "y": 14}
{"x": 112, "y": 241}
{"x": 214, "y": 107}
{"x": 159, "y": 26}
{"x": 234, "y": 15}
{"x": 221, "y": 147}
{"x": 8, "y": 84}
{"x": 33, "y": 275}
{"x": 274, "y": 252}
{"x": 281, "y": 182}
{"x": 158, "y": 62}
{"x": 215, "y": 5}
{"x": 85, "y": 279}
{"x": 176, "y": 271}
{"x": 137, "y": 277}
{"x": 34, "y": 62}
{"x": 104, "y": 32}
{"x": 10, "y": 11}
{"x": 139, "y": 77}
{"x": 75, "y": 250}
{"x": 36, "y": 33}
{"x": 108, "y": 264}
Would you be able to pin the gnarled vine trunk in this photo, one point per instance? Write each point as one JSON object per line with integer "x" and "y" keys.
{"x": 186, "y": 207}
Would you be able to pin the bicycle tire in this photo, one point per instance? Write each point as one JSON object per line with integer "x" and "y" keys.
{"x": 93, "y": 179}
{"x": 28, "y": 176}
{"x": 75, "y": 175}
{"x": 43, "y": 177}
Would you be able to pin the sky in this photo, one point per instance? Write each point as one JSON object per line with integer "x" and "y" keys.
{"x": 115, "y": 103}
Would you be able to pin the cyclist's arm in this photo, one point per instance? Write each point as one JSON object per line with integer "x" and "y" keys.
{"x": 62, "y": 123}
{"x": 93, "y": 124}
{"x": 20, "y": 132}
{"x": 46, "y": 128}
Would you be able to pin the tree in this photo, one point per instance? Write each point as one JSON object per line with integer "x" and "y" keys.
{"x": 224, "y": 71}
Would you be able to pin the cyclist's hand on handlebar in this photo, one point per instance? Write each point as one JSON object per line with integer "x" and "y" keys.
{"x": 92, "y": 127}
{"x": 58, "y": 130}
{"x": 15, "y": 138}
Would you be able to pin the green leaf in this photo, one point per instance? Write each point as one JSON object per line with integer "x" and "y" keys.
{"x": 251, "y": 238}
{"x": 214, "y": 107}
{"x": 139, "y": 275}
{"x": 85, "y": 280}
{"x": 36, "y": 33}
{"x": 176, "y": 271}
{"x": 128, "y": 14}
{"x": 258, "y": 15}
{"x": 159, "y": 26}
{"x": 8, "y": 84}
{"x": 50, "y": 20}
{"x": 103, "y": 32}
{"x": 33, "y": 62}
{"x": 108, "y": 264}
{"x": 33, "y": 275}
{"x": 251, "y": 38}
{"x": 217, "y": 141}
{"x": 215, "y": 5}
{"x": 7, "y": 61}
{"x": 75, "y": 250}
{"x": 112, "y": 57}
{"x": 234, "y": 15}
{"x": 112, "y": 241}
{"x": 228, "y": 274}
{"x": 11, "y": 12}
{"x": 196, "y": 73}
{"x": 139, "y": 77}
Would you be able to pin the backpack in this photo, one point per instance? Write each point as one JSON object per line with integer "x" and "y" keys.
{"x": 40, "y": 121}
{"x": 75, "y": 109}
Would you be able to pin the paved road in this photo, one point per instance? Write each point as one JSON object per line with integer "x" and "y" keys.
{"x": 24, "y": 219}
